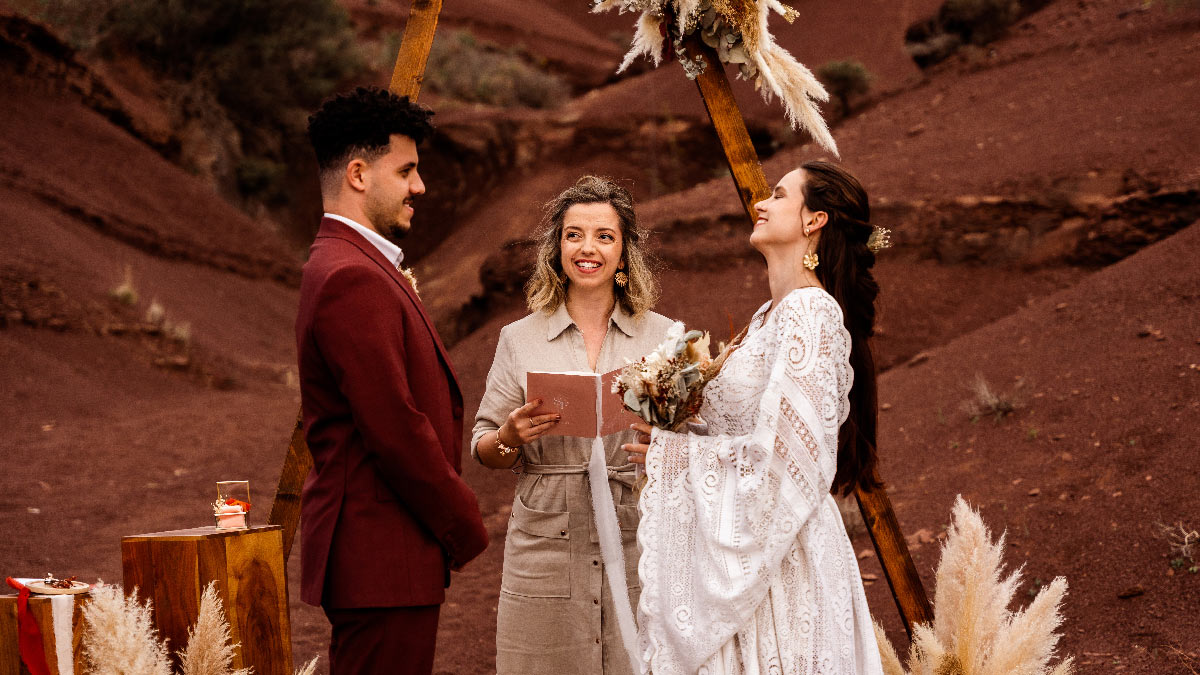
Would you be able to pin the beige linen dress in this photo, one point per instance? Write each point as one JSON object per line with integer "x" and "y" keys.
{"x": 555, "y": 613}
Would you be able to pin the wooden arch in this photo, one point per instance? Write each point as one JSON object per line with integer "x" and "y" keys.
{"x": 751, "y": 183}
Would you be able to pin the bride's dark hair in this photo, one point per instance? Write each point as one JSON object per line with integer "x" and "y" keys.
{"x": 845, "y": 272}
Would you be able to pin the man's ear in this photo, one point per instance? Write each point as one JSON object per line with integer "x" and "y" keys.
{"x": 355, "y": 174}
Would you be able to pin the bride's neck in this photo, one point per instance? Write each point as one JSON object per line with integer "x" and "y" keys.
{"x": 786, "y": 272}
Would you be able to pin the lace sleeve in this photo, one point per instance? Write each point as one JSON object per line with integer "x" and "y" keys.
{"x": 720, "y": 512}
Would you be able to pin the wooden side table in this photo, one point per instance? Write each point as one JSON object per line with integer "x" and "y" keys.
{"x": 39, "y": 607}
{"x": 173, "y": 569}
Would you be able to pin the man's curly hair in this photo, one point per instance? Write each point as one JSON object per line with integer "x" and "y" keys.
{"x": 360, "y": 124}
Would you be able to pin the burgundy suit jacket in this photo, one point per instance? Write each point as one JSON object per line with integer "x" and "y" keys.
{"x": 385, "y": 513}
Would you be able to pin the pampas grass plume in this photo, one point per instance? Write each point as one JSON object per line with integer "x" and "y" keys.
{"x": 973, "y": 633}
{"x": 311, "y": 667}
{"x": 209, "y": 649}
{"x": 119, "y": 637}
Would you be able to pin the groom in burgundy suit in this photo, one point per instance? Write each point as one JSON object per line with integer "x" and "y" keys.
{"x": 385, "y": 514}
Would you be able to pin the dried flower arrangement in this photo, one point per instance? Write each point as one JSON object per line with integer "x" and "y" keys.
{"x": 973, "y": 632}
{"x": 737, "y": 30}
{"x": 666, "y": 386}
{"x": 119, "y": 638}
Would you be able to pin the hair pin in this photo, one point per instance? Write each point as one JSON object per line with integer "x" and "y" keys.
{"x": 881, "y": 238}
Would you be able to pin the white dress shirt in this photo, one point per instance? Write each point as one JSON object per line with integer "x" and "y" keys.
{"x": 389, "y": 250}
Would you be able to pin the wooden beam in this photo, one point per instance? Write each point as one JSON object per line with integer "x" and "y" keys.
{"x": 730, "y": 126}
{"x": 894, "y": 557}
{"x": 407, "y": 77}
{"x": 285, "y": 508}
{"x": 409, "y": 72}
{"x": 752, "y": 186}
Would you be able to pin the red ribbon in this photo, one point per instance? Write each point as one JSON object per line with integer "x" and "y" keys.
{"x": 29, "y": 636}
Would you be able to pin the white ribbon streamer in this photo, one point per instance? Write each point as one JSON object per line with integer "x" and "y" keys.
{"x": 62, "y": 615}
{"x": 608, "y": 531}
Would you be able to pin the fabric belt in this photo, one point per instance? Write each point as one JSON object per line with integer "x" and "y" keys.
{"x": 624, "y": 474}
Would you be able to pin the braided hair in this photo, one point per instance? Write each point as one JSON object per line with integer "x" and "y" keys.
{"x": 845, "y": 272}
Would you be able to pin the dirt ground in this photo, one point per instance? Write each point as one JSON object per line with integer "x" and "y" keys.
{"x": 114, "y": 429}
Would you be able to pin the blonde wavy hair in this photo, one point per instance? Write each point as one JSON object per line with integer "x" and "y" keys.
{"x": 547, "y": 286}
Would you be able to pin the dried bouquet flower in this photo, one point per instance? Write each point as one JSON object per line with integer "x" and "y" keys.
{"x": 665, "y": 387}
{"x": 737, "y": 30}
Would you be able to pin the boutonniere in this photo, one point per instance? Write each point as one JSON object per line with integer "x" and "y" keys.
{"x": 408, "y": 275}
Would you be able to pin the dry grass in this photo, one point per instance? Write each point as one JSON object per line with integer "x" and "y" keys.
{"x": 989, "y": 402}
{"x": 119, "y": 636}
{"x": 973, "y": 632}
{"x": 125, "y": 293}
{"x": 1183, "y": 542}
{"x": 209, "y": 649}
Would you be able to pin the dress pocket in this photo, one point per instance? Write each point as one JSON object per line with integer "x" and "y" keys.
{"x": 537, "y": 553}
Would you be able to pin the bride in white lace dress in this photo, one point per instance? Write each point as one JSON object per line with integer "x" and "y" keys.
{"x": 746, "y": 566}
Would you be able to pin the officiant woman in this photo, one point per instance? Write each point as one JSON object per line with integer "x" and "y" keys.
{"x": 589, "y": 299}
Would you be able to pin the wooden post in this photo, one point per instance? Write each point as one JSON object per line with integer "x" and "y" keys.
{"x": 409, "y": 72}
{"x": 894, "y": 557}
{"x": 752, "y": 186}
{"x": 173, "y": 568}
{"x": 407, "y": 77}
{"x": 748, "y": 176}
{"x": 39, "y": 607}
{"x": 285, "y": 507}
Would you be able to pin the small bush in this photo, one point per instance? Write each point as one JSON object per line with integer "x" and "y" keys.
{"x": 462, "y": 68}
{"x": 988, "y": 402}
{"x": 979, "y": 21}
{"x": 125, "y": 293}
{"x": 1184, "y": 542}
{"x": 179, "y": 332}
{"x": 845, "y": 79}
{"x": 261, "y": 177}
{"x": 156, "y": 314}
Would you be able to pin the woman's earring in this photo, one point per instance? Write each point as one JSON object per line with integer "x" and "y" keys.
{"x": 810, "y": 261}
{"x": 621, "y": 279}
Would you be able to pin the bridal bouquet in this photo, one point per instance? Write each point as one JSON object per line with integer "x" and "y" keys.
{"x": 665, "y": 387}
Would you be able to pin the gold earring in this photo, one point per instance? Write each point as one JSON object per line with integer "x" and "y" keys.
{"x": 810, "y": 261}
{"x": 621, "y": 279}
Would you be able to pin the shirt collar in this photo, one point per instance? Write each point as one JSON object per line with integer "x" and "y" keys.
{"x": 389, "y": 250}
{"x": 559, "y": 320}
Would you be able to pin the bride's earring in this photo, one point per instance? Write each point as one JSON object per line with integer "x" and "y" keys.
{"x": 621, "y": 279}
{"x": 810, "y": 261}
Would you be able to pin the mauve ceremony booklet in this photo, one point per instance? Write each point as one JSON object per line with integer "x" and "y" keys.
{"x": 573, "y": 394}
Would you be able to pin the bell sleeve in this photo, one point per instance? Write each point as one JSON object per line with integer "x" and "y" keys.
{"x": 719, "y": 513}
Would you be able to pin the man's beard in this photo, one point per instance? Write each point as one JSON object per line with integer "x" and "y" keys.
{"x": 385, "y": 220}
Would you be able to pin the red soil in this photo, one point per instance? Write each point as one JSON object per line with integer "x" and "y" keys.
{"x": 104, "y": 443}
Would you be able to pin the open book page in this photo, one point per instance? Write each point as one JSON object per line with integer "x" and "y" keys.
{"x": 570, "y": 394}
{"x": 617, "y": 417}
{"x": 573, "y": 395}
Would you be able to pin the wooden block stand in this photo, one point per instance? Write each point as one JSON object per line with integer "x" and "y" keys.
{"x": 39, "y": 607}
{"x": 173, "y": 569}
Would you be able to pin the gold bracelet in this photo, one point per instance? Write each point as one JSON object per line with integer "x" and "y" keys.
{"x": 504, "y": 449}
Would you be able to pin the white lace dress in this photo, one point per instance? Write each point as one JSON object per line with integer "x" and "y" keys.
{"x": 746, "y": 566}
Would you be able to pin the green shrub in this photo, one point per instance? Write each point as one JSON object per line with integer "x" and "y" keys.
{"x": 261, "y": 58}
{"x": 261, "y": 177}
{"x": 462, "y": 68}
{"x": 844, "y": 79}
{"x": 979, "y": 21}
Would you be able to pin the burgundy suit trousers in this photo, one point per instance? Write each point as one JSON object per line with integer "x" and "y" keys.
{"x": 383, "y": 640}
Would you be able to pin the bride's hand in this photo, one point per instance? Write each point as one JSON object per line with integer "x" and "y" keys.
{"x": 637, "y": 451}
